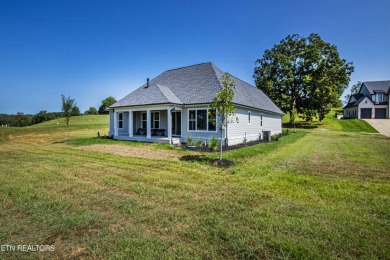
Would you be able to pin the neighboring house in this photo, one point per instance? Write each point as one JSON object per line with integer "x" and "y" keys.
{"x": 174, "y": 106}
{"x": 372, "y": 101}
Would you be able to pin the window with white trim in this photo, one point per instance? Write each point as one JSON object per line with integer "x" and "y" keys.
{"x": 380, "y": 97}
{"x": 143, "y": 120}
{"x": 156, "y": 120}
{"x": 200, "y": 120}
{"x": 249, "y": 117}
{"x": 192, "y": 120}
{"x": 120, "y": 120}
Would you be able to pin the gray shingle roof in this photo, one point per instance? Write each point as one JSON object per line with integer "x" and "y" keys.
{"x": 373, "y": 86}
{"x": 196, "y": 84}
{"x": 358, "y": 98}
{"x": 170, "y": 96}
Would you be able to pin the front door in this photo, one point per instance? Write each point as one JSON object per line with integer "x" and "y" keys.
{"x": 176, "y": 123}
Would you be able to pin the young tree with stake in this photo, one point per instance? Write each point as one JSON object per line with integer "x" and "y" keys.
{"x": 222, "y": 109}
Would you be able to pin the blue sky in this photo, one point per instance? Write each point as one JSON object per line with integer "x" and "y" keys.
{"x": 92, "y": 49}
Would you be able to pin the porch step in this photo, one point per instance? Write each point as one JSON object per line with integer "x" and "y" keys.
{"x": 175, "y": 140}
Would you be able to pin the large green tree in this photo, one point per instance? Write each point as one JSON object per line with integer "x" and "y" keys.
{"x": 222, "y": 110}
{"x": 75, "y": 111}
{"x": 67, "y": 106}
{"x": 40, "y": 117}
{"x": 91, "y": 111}
{"x": 305, "y": 75}
{"x": 106, "y": 103}
{"x": 20, "y": 119}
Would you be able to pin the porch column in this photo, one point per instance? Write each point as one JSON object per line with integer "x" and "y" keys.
{"x": 130, "y": 123}
{"x": 115, "y": 123}
{"x": 148, "y": 124}
{"x": 169, "y": 125}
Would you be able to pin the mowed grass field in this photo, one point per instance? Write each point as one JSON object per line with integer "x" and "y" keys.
{"x": 330, "y": 123}
{"x": 314, "y": 194}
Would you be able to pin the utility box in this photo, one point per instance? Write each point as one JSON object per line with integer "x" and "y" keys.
{"x": 267, "y": 136}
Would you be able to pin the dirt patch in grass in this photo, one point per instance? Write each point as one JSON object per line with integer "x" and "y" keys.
{"x": 133, "y": 151}
{"x": 40, "y": 138}
{"x": 30, "y": 137}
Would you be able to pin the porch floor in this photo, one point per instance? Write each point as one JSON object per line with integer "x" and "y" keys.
{"x": 153, "y": 139}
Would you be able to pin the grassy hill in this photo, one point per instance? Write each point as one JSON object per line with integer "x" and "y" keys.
{"x": 79, "y": 126}
{"x": 310, "y": 195}
{"x": 333, "y": 124}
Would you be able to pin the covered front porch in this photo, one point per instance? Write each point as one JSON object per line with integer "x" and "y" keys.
{"x": 148, "y": 124}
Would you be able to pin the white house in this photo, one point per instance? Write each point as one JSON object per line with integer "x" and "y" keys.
{"x": 174, "y": 106}
{"x": 372, "y": 101}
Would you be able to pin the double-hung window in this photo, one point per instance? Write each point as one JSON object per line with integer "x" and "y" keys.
{"x": 156, "y": 120}
{"x": 120, "y": 120}
{"x": 192, "y": 120}
{"x": 200, "y": 120}
{"x": 143, "y": 120}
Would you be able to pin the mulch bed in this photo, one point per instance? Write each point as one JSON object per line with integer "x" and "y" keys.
{"x": 228, "y": 148}
{"x": 223, "y": 163}
{"x": 204, "y": 159}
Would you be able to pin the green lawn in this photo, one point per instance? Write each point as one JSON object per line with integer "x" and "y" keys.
{"x": 312, "y": 194}
{"x": 332, "y": 124}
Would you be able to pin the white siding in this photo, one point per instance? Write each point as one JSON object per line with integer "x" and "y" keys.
{"x": 196, "y": 135}
{"x": 125, "y": 129}
{"x": 236, "y": 131}
{"x": 243, "y": 130}
{"x": 351, "y": 112}
{"x": 164, "y": 120}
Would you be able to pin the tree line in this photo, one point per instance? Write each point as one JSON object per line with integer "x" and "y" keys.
{"x": 69, "y": 108}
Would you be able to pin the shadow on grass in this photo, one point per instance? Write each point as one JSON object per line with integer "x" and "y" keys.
{"x": 62, "y": 142}
{"x": 196, "y": 158}
{"x": 99, "y": 140}
{"x": 206, "y": 160}
{"x": 302, "y": 125}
